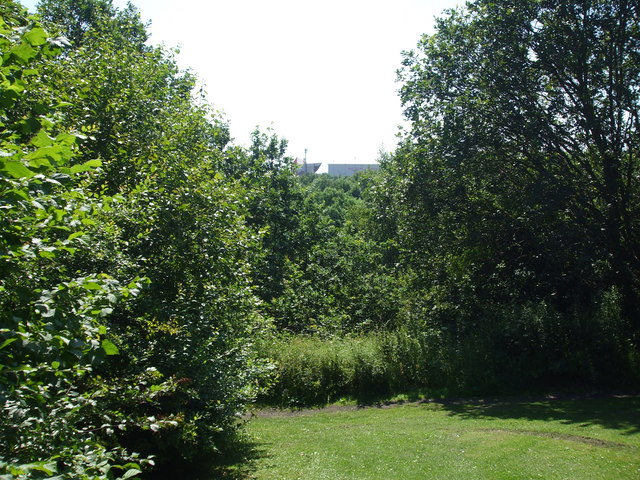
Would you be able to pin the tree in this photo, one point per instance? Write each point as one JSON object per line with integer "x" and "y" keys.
{"x": 166, "y": 372}
{"x": 517, "y": 182}
{"x": 180, "y": 222}
{"x": 340, "y": 282}
{"x": 81, "y": 19}
{"x": 275, "y": 207}
{"x": 540, "y": 95}
{"x": 128, "y": 100}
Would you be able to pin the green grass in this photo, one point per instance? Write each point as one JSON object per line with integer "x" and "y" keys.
{"x": 574, "y": 439}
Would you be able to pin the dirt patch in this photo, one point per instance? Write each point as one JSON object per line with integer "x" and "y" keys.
{"x": 495, "y": 401}
{"x": 559, "y": 436}
{"x": 282, "y": 412}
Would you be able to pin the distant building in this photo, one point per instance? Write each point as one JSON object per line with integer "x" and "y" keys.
{"x": 337, "y": 169}
{"x": 308, "y": 168}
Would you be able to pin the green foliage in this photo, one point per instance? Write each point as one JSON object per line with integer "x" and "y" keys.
{"x": 83, "y": 19}
{"x": 194, "y": 321}
{"x": 311, "y": 370}
{"x": 514, "y": 193}
{"x": 181, "y": 224}
{"x": 129, "y": 102}
{"x": 275, "y": 210}
{"x": 340, "y": 281}
{"x": 341, "y": 287}
{"x": 503, "y": 150}
{"x": 142, "y": 255}
{"x": 94, "y": 368}
{"x": 52, "y": 323}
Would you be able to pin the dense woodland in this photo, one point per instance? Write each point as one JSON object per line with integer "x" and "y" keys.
{"x": 157, "y": 278}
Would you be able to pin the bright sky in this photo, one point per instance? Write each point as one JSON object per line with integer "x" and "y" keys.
{"x": 322, "y": 74}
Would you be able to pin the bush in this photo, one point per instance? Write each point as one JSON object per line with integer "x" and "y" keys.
{"x": 53, "y": 332}
{"x": 95, "y": 362}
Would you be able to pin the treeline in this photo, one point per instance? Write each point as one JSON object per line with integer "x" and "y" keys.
{"x": 515, "y": 193}
{"x": 156, "y": 277}
{"x": 505, "y": 227}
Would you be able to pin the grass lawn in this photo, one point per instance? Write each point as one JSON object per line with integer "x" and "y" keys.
{"x": 596, "y": 438}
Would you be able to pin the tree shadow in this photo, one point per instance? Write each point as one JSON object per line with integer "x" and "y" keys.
{"x": 617, "y": 412}
{"x": 236, "y": 462}
{"x": 239, "y": 462}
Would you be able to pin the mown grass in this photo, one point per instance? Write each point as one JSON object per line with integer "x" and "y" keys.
{"x": 597, "y": 438}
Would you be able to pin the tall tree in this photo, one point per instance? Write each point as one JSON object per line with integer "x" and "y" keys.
{"x": 515, "y": 195}
{"x": 52, "y": 321}
{"x": 81, "y": 19}
{"x": 531, "y": 106}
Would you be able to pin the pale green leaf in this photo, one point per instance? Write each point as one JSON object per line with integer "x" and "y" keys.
{"x": 131, "y": 473}
{"x": 17, "y": 170}
{"x": 109, "y": 348}
{"x": 7, "y": 342}
{"x": 36, "y": 36}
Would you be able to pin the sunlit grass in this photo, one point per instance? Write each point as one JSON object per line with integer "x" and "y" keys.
{"x": 577, "y": 439}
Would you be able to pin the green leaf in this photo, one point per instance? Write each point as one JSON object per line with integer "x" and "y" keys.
{"x": 30, "y": 125}
{"x": 40, "y": 162}
{"x": 7, "y": 342}
{"x": 90, "y": 165}
{"x": 48, "y": 468}
{"x": 131, "y": 473}
{"x": 17, "y": 170}
{"x": 8, "y": 97}
{"x": 63, "y": 105}
{"x": 94, "y": 163}
{"x": 66, "y": 139}
{"x": 75, "y": 235}
{"x": 109, "y": 348}
{"x": 42, "y": 139}
{"x": 24, "y": 52}
{"x": 54, "y": 153}
{"x": 36, "y": 36}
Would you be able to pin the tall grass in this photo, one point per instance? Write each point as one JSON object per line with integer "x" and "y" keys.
{"x": 532, "y": 348}
{"x": 315, "y": 370}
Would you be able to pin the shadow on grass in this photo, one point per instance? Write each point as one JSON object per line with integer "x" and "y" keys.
{"x": 620, "y": 412}
{"x": 237, "y": 462}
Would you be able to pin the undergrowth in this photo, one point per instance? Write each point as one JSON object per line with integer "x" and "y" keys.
{"x": 316, "y": 370}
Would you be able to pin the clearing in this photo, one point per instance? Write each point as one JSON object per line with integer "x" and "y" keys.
{"x": 576, "y": 439}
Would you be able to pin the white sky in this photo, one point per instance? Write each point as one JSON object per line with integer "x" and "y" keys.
{"x": 322, "y": 74}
